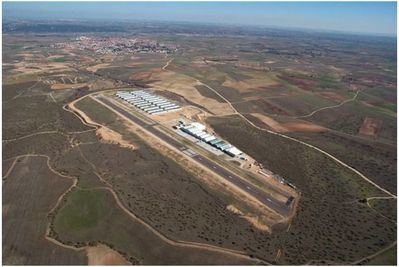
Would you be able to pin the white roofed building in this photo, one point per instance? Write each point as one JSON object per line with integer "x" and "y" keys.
{"x": 198, "y": 126}
{"x": 233, "y": 151}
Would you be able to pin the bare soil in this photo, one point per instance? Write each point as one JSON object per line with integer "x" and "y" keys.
{"x": 249, "y": 85}
{"x": 188, "y": 112}
{"x": 186, "y": 86}
{"x": 103, "y": 255}
{"x": 94, "y": 68}
{"x": 297, "y": 126}
{"x": 370, "y": 127}
{"x": 333, "y": 96}
{"x": 63, "y": 86}
{"x": 107, "y": 135}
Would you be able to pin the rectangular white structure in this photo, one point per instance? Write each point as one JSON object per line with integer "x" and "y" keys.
{"x": 167, "y": 105}
{"x": 128, "y": 96}
{"x": 153, "y": 100}
{"x": 201, "y": 135}
{"x": 155, "y": 111}
{"x": 225, "y": 147}
{"x": 150, "y": 109}
{"x": 233, "y": 151}
{"x": 157, "y": 101}
{"x": 138, "y": 102}
{"x": 139, "y": 99}
{"x": 164, "y": 101}
{"x": 195, "y": 131}
{"x": 147, "y": 96}
{"x": 205, "y": 136}
{"x": 135, "y": 102}
{"x": 171, "y": 108}
{"x": 147, "y": 101}
{"x": 132, "y": 99}
{"x": 198, "y": 125}
{"x": 210, "y": 138}
{"x": 135, "y": 98}
{"x": 137, "y": 92}
{"x": 143, "y": 106}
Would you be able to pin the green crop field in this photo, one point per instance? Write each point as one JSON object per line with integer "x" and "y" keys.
{"x": 83, "y": 209}
{"x": 59, "y": 59}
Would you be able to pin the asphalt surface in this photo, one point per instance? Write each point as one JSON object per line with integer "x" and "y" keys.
{"x": 262, "y": 196}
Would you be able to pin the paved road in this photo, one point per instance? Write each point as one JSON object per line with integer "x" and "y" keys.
{"x": 259, "y": 194}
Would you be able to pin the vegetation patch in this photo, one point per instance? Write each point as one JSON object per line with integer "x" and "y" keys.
{"x": 387, "y": 207}
{"x": 111, "y": 225}
{"x": 83, "y": 209}
{"x": 388, "y": 257}
{"x": 374, "y": 159}
{"x": 58, "y": 59}
{"x": 330, "y": 223}
{"x": 28, "y": 197}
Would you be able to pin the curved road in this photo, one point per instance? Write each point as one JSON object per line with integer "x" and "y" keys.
{"x": 301, "y": 142}
{"x": 330, "y": 107}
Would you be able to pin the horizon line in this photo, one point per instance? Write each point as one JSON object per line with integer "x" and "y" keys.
{"x": 298, "y": 29}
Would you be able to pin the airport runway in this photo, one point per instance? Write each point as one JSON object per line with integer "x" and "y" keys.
{"x": 259, "y": 194}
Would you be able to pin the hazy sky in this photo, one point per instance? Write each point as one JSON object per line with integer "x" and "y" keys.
{"x": 360, "y": 17}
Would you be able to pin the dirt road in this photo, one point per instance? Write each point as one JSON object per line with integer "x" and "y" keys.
{"x": 330, "y": 107}
{"x": 167, "y": 64}
{"x": 301, "y": 142}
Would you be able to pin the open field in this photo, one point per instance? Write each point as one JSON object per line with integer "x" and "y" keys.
{"x": 387, "y": 207}
{"x": 91, "y": 215}
{"x": 386, "y": 258}
{"x": 293, "y": 126}
{"x": 186, "y": 86}
{"x": 26, "y": 204}
{"x": 102, "y": 255}
{"x": 375, "y": 159}
{"x": 329, "y": 194}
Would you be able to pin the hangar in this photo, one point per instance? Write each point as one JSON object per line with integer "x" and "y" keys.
{"x": 148, "y": 102}
{"x": 198, "y": 130}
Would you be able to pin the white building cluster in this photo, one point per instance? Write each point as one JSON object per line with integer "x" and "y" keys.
{"x": 198, "y": 130}
{"x": 148, "y": 102}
